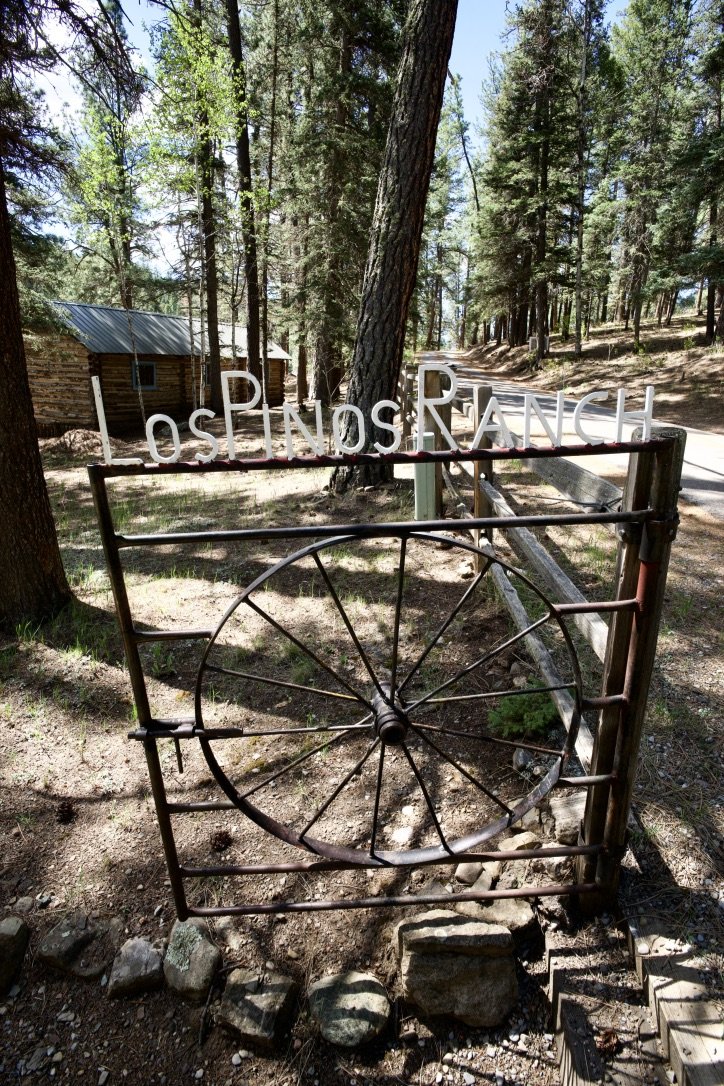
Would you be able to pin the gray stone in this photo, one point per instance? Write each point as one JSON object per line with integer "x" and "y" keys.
{"x": 515, "y": 914}
{"x": 527, "y": 839}
{"x": 257, "y": 1008}
{"x": 468, "y": 872}
{"x": 432, "y": 887}
{"x": 472, "y": 908}
{"x": 24, "y": 905}
{"x": 349, "y": 1008}
{"x": 77, "y": 946}
{"x": 455, "y": 965}
{"x": 567, "y": 811}
{"x": 14, "y": 938}
{"x": 191, "y": 960}
{"x": 137, "y": 967}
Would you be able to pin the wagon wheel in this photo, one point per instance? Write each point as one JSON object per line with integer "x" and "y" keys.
{"x": 388, "y": 725}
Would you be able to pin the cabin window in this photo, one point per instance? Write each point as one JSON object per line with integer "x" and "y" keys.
{"x": 143, "y": 376}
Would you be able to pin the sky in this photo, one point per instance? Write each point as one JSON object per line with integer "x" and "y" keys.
{"x": 478, "y": 34}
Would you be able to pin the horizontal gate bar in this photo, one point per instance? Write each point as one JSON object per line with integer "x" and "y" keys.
{"x": 443, "y": 456}
{"x": 561, "y": 890}
{"x": 391, "y": 528}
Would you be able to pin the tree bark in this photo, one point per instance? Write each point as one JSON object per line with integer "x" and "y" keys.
{"x": 389, "y": 278}
{"x": 246, "y": 189}
{"x": 33, "y": 586}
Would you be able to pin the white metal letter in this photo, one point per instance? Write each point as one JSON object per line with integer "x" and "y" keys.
{"x": 292, "y": 415}
{"x": 150, "y": 438}
{"x": 226, "y": 376}
{"x": 377, "y": 421}
{"x": 429, "y": 403}
{"x": 646, "y": 416}
{"x": 205, "y": 413}
{"x": 105, "y": 441}
{"x": 580, "y": 406}
{"x": 343, "y": 409}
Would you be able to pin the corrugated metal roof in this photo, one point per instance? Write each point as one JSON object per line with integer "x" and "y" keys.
{"x": 273, "y": 350}
{"x": 104, "y": 330}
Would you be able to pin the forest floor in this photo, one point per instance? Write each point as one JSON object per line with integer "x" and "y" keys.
{"x": 77, "y": 823}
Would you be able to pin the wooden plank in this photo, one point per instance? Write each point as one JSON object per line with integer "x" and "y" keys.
{"x": 554, "y": 580}
{"x": 690, "y": 1027}
{"x": 576, "y": 483}
{"x": 544, "y": 662}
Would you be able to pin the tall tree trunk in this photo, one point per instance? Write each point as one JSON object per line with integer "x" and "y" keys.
{"x": 246, "y": 189}
{"x": 581, "y": 156}
{"x": 32, "y": 581}
{"x": 389, "y": 278}
{"x": 267, "y": 217}
{"x": 208, "y": 217}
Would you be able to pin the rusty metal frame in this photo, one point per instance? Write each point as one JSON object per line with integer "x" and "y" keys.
{"x": 639, "y": 521}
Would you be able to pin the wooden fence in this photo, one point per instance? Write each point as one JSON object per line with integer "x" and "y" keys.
{"x": 626, "y": 645}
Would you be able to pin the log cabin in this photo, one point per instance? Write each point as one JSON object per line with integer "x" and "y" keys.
{"x": 136, "y": 354}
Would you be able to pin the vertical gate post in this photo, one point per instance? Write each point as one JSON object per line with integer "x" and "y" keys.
{"x": 653, "y": 482}
{"x": 481, "y": 502}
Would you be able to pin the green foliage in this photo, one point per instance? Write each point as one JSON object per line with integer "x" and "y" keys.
{"x": 526, "y": 715}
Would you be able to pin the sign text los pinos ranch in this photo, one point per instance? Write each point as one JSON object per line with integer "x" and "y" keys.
{"x": 491, "y": 424}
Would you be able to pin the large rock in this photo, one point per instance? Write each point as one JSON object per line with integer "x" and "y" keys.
{"x": 513, "y": 913}
{"x": 77, "y": 946}
{"x": 137, "y": 967}
{"x": 454, "y": 965}
{"x": 14, "y": 938}
{"x": 257, "y": 1009}
{"x": 349, "y": 1008}
{"x": 191, "y": 960}
{"x": 568, "y": 811}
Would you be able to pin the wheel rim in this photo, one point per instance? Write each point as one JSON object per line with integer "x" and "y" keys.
{"x": 395, "y": 714}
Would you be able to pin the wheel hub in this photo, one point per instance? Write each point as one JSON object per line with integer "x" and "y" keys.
{"x": 390, "y": 720}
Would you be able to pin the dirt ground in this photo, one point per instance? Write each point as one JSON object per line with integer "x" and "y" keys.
{"x": 77, "y": 821}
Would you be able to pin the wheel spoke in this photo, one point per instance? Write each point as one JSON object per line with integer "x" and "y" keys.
{"x": 343, "y": 784}
{"x": 428, "y": 801}
{"x": 477, "y": 663}
{"x": 305, "y": 649}
{"x": 461, "y": 769}
{"x": 345, "y": 618}
{"x": 378, "y": 792}
{"x": 492, "y": 694}
{"x": 297, "y": 761}
{"x": 455, "y": 611}
{"x": 279, "y": 682}
{"x": 482, "y": 737}
{"x": 398, "y": 608}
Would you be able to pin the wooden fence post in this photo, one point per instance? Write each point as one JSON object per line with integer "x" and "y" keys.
{"x": 433, "y": 389}
{"x": 653, "y": 482}
{"x": 406, "y": 382}
{"x": 481, "y": 503}
{"x": 425, "y": 483}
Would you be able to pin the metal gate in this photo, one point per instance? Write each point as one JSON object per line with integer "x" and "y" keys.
{"x": 410, "y": 721}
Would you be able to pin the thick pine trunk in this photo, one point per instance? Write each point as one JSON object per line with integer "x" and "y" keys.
{"x": 389, "y": 278}
{"x": 32, "y": 581}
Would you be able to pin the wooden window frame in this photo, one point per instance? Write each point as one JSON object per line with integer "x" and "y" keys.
{"x": 135, "y": 384}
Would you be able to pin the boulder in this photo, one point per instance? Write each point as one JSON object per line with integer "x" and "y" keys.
{"x": 14, "y": 938}
{"x": 467, "y": 873}
{"x": 137, "y": 967}
{"x": 191, "y": 960}
{"x": 257, "y": 1008}
{"x": 568, "y": 811}
{"x": 349, "y": 1008}
{"x": 77, "y": 946}
{"x": 455, "y": 965}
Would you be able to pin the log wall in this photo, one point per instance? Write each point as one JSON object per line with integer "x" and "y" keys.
{"x": 59, "y": 384}
{"x": 120, "y": 398}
